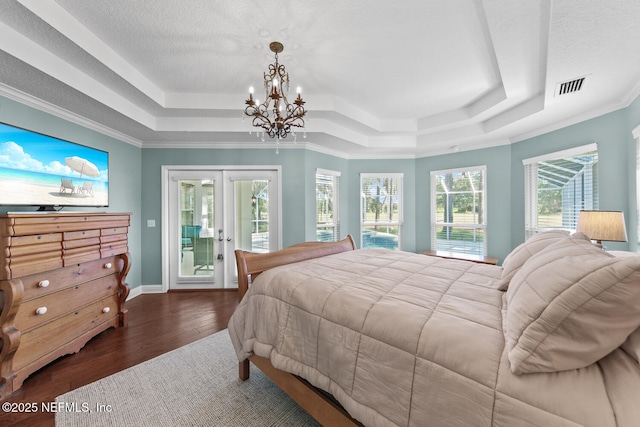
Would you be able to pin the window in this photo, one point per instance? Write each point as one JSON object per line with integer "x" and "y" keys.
{"x": 327, "y": 205}
{"x": 381, "y": 210}
{"x": 458, "y": 211}
{"x": 558, "y": 186}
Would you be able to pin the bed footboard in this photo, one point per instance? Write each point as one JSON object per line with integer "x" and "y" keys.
{"x": 250, "y": 265}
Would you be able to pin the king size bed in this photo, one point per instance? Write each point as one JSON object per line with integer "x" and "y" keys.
{"x": 388, "y": 338}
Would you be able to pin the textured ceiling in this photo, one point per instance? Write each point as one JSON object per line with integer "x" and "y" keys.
{"x": 380, "y": 79}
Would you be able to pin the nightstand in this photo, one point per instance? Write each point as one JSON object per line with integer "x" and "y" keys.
{"x": 465, "y": 257}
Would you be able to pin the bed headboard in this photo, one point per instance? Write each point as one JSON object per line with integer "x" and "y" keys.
{"x": 252, "y": 264}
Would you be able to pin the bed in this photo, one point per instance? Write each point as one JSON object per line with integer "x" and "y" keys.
{"x": 377, "y": 337}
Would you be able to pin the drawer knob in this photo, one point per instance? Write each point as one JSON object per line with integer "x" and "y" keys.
{"x": 43, "y": 283}
{"x": 41, "y": 310}
{"x": 108, "y": 265}
{"x": 106, "y": 310}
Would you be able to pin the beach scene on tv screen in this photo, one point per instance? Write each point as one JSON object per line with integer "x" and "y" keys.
{"x": 36, "y": 169}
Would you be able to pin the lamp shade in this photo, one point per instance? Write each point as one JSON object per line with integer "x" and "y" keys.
{"x": 603, "y": 225}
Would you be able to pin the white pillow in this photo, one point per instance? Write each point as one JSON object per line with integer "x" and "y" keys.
{"x": 534, "y": 244}
{"x": 570, "y": 305}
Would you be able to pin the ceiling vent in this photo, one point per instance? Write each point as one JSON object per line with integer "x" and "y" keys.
{"x": 570, "y": 86}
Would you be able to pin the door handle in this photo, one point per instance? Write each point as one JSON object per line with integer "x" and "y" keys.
{"x": 220, "y": 239}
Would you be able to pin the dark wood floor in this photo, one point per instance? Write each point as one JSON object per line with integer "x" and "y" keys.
{"x": 157, "y": 323}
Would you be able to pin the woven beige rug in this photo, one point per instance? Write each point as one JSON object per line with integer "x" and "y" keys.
{"x": 195, "y": 385}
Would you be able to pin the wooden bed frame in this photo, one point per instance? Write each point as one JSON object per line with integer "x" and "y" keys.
{"x": 315, "y": 402}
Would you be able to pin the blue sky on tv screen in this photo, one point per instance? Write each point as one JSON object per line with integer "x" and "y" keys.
{"x": 24, "y": 150}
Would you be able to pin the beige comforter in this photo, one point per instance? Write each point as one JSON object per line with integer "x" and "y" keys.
{"x": 411, "y": 340}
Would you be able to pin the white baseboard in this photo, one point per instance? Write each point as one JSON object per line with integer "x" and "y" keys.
{"x": 145, "y": 289}
{"x": 152, "y": 289}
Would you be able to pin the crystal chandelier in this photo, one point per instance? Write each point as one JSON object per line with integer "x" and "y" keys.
{"x": 276, "y": 117}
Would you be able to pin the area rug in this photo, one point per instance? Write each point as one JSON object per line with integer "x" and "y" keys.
{"x": 195, "y": 385}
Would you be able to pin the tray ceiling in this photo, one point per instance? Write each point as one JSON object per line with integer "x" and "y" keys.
{"x": 380, "y": 79}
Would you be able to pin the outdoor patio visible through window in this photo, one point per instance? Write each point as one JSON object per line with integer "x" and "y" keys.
{"x": 458, "y": 214}
{"x": 381, "y": 210}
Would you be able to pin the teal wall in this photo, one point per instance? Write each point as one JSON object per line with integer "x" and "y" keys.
{"x": 616, "y": 167}
{"x": 498, "y": 213}
{"x": 124, "y": 169}
{"x": 294, "y": 203}
{"x": 136, "y": 181}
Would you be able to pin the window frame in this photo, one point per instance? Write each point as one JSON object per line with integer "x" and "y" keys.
{"x": 400, "y": 217}
{"x": 433, "y": 206}
{"x": 335, "y": 224}
{"x": 531, "y": 186}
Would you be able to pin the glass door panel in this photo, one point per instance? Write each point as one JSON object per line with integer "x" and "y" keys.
{"x": 197, "y": 219}
{"x": 195, "y": 216}
{"x": 252, "y": 215}
{"x": 255, "y": 219}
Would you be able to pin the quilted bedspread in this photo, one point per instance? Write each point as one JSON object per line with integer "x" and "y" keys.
{"x": 412, "y": 340}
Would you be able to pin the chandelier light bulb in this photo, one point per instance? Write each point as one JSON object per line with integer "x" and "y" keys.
{"x": 299, "y": 90}
{"x": 251, "y": 90}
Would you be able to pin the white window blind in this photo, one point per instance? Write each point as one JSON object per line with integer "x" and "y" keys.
{"x": 458, "y": 211}
{"x": 381, "y": 210}
{"x": 327, "y": 205}
{"x": 558, "y": 186}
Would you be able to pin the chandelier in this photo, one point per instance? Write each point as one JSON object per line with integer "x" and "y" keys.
{"x": 276, "y": 117}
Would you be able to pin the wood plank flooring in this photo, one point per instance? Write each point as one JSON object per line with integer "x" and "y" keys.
{"x": 157, "y": 323}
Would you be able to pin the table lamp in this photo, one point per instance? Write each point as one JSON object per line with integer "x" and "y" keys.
{"x": 603, "y": 225}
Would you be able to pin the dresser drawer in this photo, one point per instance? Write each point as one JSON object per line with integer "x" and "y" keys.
{"x": 38, "y": 285}
{"x": 32, "y": 264}
{"x": 15, "y": 252}
{"x": 44, "y": 340}
{"x": 81, "y": 254}
{"x": 77, "y": 235}
{"x": 39, "y": 311}
{"x": 35, "y": 239}
{"x": 22, "y": 225}
{"x": 80, "y": 243}
{"x": 116, "y": 248}
{"x": 114, "y": 230}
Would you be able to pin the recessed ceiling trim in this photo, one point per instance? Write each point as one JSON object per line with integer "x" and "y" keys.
{"x": 56, "y": 16}
{"x": 24, "y": 49}
{"x": 54, "y": 110}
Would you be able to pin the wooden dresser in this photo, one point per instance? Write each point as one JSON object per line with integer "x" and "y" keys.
{"x": 62, "y": 281}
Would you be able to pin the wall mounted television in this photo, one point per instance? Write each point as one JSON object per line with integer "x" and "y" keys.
{"x": 50, "y": 173}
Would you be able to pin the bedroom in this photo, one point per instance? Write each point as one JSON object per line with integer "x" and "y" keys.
{"x": 136, "y": 183}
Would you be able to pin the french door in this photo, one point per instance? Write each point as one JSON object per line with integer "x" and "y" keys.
{"x": 213, "y": 212}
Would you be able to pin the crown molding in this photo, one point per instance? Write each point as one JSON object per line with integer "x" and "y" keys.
{"x": 54, "y": 110}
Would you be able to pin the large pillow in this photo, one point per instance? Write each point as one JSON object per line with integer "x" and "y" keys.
{"x": 534, "y": 244}
{"x": 570, "y": 305}
{"x": 632, "y": 345}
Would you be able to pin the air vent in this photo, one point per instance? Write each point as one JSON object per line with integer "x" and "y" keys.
{"x": 571, "y": 86}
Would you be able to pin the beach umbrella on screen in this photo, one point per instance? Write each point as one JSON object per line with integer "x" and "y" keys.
{"x": 82, "y": 166}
